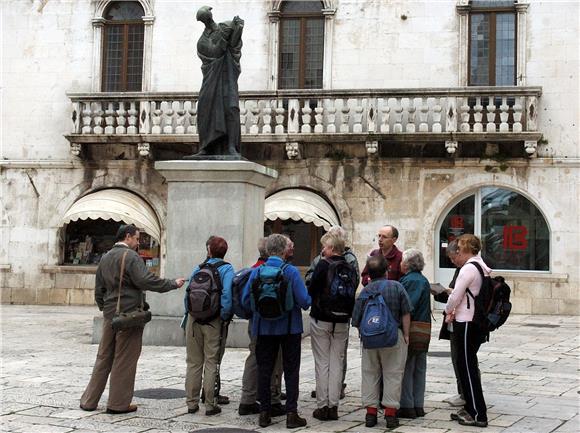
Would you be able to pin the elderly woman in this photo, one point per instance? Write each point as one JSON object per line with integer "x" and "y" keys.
{"x": 418, "y": 289}
{"x": 466, "y": 336}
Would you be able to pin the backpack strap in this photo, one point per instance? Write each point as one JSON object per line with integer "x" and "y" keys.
{"x": 469, "y": 292}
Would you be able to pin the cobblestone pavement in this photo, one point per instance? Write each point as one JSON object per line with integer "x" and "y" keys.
{"x": 530, "y": 373}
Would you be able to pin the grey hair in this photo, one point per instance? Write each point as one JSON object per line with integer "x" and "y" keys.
{"x": 337, "y": 231}
{"x": 413, "y": 259}
{"x": 262, "y": 247}
{"x": 452, "y": 247}
{"x": 335, "y": 242}
{"x": 276, "y": 244}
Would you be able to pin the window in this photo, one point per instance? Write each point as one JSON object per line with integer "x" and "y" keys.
{"x": 514, "y": 233}
{"x": 492, "y": 43}
{"x": 301, "y": 48}
{"x": 123, "y": 42}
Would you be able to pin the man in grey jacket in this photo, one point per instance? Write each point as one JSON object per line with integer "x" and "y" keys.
{"x": 119, "y": 350}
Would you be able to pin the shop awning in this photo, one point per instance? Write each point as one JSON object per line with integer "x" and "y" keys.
{"x": 118, "y": 205}
{"x": 300, "y": 204}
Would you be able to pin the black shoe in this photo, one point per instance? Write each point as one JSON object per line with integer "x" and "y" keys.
{"x": 283, "y": 396}
{"x": 88, "y": 409}
{"x": 392, "y": 421}
{"x": 333, "y": 413}
{"x": 321, "y": 413}
{"x": 370, "y": 420}
{"x": 213, "y": 411}
{"x": 265, "y": 419}
{"x": 293, "y": 420}
{"x": 407, "y": 412}
{"x": 277, "y": 410}
{"x": 222, "y": 399}
{"x": 248, "y": 409}
{"x": 420, "y": 412}
{"x": 131, "y": 408}
{"x": 193, "y": 409}
{"x": 313, "y": 394}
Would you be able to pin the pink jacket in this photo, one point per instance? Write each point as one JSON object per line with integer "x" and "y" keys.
{"x": 468, "y": 278}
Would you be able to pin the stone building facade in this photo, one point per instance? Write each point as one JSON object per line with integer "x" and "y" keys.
{"x": 437, "y": 117}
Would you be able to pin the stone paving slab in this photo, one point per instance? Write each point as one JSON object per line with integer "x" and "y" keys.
{"x": 530, "y": 376}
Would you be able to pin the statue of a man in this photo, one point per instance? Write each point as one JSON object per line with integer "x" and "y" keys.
{"x": 218, "y": 107}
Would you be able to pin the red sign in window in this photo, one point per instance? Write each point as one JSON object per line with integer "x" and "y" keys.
{"x": 514, "y": 237}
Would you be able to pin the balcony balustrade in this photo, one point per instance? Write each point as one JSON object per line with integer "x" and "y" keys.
{"x": 292, "y": 117}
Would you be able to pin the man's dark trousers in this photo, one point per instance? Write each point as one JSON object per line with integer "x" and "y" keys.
{"x": 267, "y": 347}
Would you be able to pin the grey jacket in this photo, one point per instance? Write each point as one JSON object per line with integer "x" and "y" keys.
{"x": 136, "y": 279}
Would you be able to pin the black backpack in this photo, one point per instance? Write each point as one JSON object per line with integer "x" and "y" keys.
{"x": 492, "y": 304}
{"x": 240, "y": 279}
{"x": 204, "y": 293}
{"x": 336, "y": 300}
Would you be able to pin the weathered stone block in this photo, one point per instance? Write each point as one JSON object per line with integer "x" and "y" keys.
{"x": 561, "y": 291}
{"x": 521, "y": 305}
{"x": 59, "y": 296}
{"x": 43, "y": 296}
{"x": 529, "y": 289}
{"x": 5, "y": 295}
{"x": 569, "y": 307}
{"x": 544, "y": 306}
{"x": 81, "y": 297}
{"x": 23, "y": 295}
{"x": 14, "y": 280}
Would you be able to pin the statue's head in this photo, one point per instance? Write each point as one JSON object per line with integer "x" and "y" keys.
{"x": 204, "y": 14}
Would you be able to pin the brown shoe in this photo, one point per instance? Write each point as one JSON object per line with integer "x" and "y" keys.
{"x": 333, "y": 413}
{"x": 88, "y": 409}
{"x": 293, "y": 420}
{"x": 214, "y": 411}
{"x": 321, "y": 413}
{"x": 265, "y": 419}
{"x": 131, "y": 408}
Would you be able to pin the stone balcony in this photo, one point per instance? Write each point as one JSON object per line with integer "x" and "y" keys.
{"x": 296, "y": 118}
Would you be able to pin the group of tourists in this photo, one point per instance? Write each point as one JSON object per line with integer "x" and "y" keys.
{"x": 392, "y": 312}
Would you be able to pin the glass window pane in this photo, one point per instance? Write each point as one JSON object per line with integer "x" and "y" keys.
{"x": 113, "y": 58}
{"x": 314, "y": 53}
{"x": 135, "y": 57}
{"x": 124, "y": 11}
{"x": 289, "y": 53}
{"x": 479, "y": 50}
{"x": 505, "y": 49}
{"x": 513, "y": 231}
{"x": 459, "y": 220}
{"x": 301, "y": 6}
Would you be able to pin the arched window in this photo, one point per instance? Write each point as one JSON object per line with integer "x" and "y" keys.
{"x": 301, "y": 49}
{"x": 514, "y": 233}
{"x": 123, "y": 42}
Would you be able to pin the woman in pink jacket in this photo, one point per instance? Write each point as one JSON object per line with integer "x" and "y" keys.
{"x": 467, "y": 335}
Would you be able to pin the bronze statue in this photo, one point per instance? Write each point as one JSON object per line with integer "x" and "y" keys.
{"x": 218, "y": 107}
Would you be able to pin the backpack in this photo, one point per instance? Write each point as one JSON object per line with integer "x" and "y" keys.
{"x": 204, "y": 293}
{"x": 378, "y": 327}
{"x": 492, "y": 304}
{"x": 240, "y": 279}
{"x": 337, "y": 298}
{"x": 272, "y": 295}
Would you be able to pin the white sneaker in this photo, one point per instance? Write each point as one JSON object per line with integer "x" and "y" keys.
{"x": 456, "y": 400}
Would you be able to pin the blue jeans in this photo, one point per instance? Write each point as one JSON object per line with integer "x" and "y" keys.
{"x": 413, "y": 388}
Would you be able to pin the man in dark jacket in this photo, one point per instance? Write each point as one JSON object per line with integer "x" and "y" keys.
{"x": 119, "y": 350}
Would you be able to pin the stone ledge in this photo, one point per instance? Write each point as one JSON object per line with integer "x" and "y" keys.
{"x": 532, "y": 276}
{"x": 70, "y": 269}
{"x": 5, "y": 268}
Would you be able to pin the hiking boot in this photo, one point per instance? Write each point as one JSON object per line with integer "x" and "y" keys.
{"x": 321, "y": 413}
{"x": 293, "y": 420}
{"x": 370, "y": 420}
{"x": 222, "y": 399}
{"x": 248, "y": 409}
{"x": 419, "y": 411}
{"x": 277, "y": 410}
{"x": 214, "y": 411}
{"x": 392, "y": 421}
{"x": 333, "y": 413}
{"x": 407, "y": 412}
{"x": 456, "y": 401}
{"x": 264, "y": 420}
{"x": 193, "y": 409}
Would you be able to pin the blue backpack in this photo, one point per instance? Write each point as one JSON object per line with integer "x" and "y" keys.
{"x": 378, "y": 328}
{"x": 272, "y": 295}
{"x": 240, "y": 279}
{"x": 338, "y": 296}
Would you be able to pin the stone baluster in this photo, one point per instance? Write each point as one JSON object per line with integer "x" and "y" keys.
{"x": 385, "y": 115}
{"x": 243, "y": 117}
{"x": 76, "y": 117}
{"x": 110, "y": 119}
{"x": 255, "y": 110}
{"x": 267, "y": 117}
{"x": 532, "y": 114}
{"x": 357, "y": 117}
{"x": 411, "y": 110}
{"x": 87, "y": 118}
{"x": 490, "y": 127}
{"x": 306, "y": 117}
{"x": 437, "y": 110}
{"x": 192, "y": 124}
{"x": 451, "y": 114}
{"x": 345, "y": 118}
{"x": 331, "y": 117}
{"x": 478, "y": 115}
{"x": 155, "y": 118}
{"x": 180, "y": 117}
{"x": 121, "y": 119}
{"x": 318, "y": 117}
{"x": 145, "y": 117}
{"x": 132, "y": 119}
{"x": 464, "y": 116}
{"x": 167, "y": 117}
{"x": 293, "y": 113}
{"x": 98, "y": 119}
{"x": 371, "y": 116}
{"x": 279, "y": 129}
{"x": 398, "y": 126}
{"x": 423, "y": 116}
{"x": 503, "y": 115}
{"x": 518, "y": 111}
